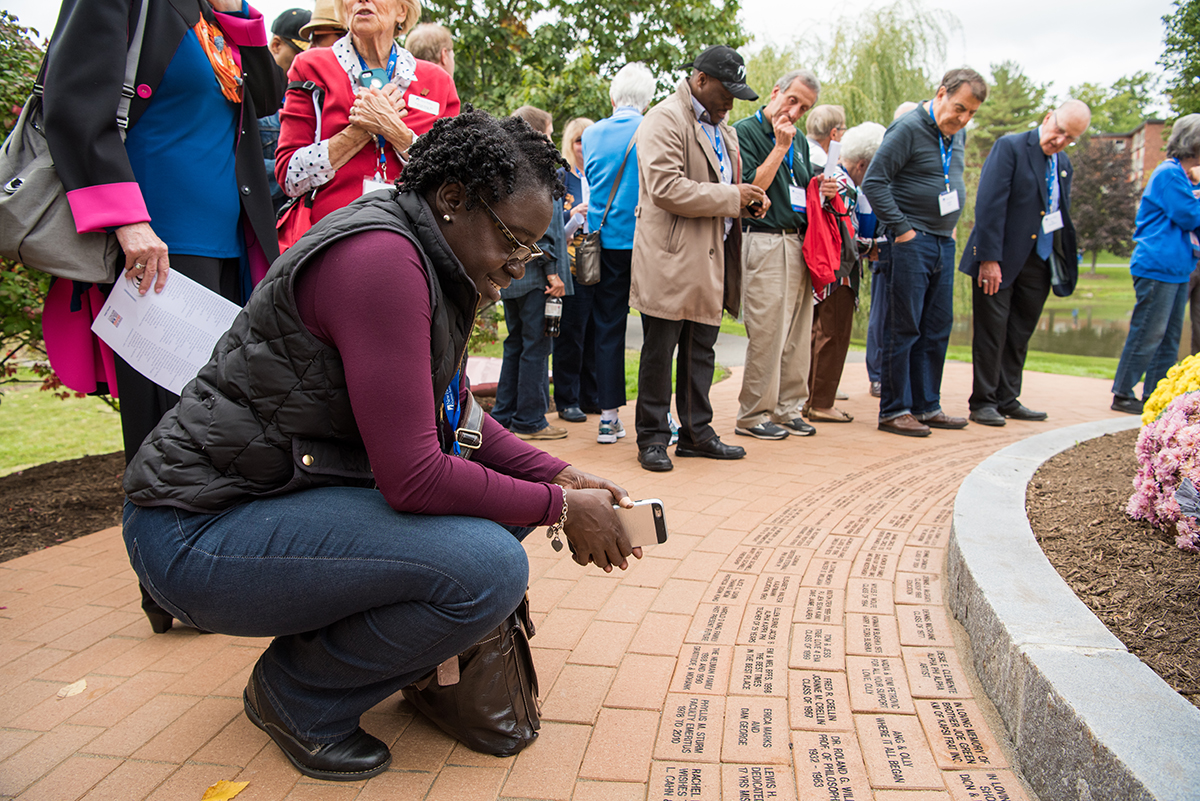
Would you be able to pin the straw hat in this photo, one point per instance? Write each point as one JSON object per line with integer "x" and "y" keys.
{"x": 322, "y": 17}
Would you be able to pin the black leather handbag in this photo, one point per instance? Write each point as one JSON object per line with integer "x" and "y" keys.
{"x": 486, "y": 697}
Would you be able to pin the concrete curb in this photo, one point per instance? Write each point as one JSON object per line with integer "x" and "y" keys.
{"x": 1088, "y": 720}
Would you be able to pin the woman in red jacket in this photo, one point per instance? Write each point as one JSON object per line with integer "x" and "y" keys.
{"x": 359, "y": 139}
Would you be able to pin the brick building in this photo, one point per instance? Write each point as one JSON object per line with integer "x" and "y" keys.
{"x": 1144, "y": 144}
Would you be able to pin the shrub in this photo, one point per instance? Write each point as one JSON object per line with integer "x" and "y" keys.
{"x": 1167, "y": 452}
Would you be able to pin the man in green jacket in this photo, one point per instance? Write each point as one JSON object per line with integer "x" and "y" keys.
{"x": 777, "y": 294}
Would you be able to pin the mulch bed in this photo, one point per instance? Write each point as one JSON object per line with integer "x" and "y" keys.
{"x": 55, "y": 502}
{"x": 1131, "y": 575}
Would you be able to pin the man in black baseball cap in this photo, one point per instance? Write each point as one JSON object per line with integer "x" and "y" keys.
{"x": 686, "y": 261}
{"x": 285, "y": 32}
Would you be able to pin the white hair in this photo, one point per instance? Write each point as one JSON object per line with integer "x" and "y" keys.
{"x": 633, "y": 85}
{"x": 860, "y": 142}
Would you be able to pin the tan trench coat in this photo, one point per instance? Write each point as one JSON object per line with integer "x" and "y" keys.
{"x": 684, "y": 267}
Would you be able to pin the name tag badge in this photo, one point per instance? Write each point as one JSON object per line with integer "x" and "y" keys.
{"x": 948, "y": 202}
{"x": 423, "y": 104}
{"x": 1052, "y": 222}
{"x": 799, "y": 198}
{"x": 372, "y": 185}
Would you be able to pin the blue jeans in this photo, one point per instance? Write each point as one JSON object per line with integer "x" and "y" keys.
{"x": 1152, "y": 345}
{"x": 361, "y": 600}
{"x": 879, "y": 271}
{"x": 916, "y": 330}
{"x": 523, "y": 393}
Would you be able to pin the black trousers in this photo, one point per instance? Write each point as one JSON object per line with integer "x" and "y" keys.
{"x": 575, "y": 353}
{"x": 1003, "y": 324}
{"x": 693, "y": 378}
{"x": 143, "y": 403}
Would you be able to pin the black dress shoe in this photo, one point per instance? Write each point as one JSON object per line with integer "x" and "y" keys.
{"x": 359, "y": 756}
{"x": 987, "y": 416}
{"x": 1127, "y": 405}
{"x": 572, "y": 414}
{"x": 654, "y": 458}
{"x": 713, "y": 449}
{"x": 876, "y": 389}
{"x": 1020, "y": 412}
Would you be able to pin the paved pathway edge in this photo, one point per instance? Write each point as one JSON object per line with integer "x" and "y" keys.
{"x": 1088, "y": 719}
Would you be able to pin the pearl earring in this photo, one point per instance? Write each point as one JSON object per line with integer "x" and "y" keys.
{"x": 446, "y": 217}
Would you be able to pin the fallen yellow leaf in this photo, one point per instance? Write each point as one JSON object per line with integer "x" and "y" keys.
{"x": 73, "y": 689}
{"x": 223, "y": 790}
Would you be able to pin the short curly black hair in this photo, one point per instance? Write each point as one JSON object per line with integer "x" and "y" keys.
{"x": 490, "y": 157}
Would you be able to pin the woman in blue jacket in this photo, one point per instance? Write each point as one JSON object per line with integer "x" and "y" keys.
{"x": 1165, "y": 254}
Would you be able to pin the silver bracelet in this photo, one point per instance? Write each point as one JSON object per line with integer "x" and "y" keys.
{"x": 554, "y": 529}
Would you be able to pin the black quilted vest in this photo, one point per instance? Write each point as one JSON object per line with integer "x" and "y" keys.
{"x": 270, "y": 413}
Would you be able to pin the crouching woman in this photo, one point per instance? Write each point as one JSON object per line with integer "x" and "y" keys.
{"x": 309, "y": 485}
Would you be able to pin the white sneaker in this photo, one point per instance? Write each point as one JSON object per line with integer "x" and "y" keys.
{"x": 610, "y": 431}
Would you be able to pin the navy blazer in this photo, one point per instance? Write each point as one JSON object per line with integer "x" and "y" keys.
{"x": 1009, "y": 207}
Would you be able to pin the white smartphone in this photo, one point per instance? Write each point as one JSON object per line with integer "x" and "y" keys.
{"x": 644, "y": 524}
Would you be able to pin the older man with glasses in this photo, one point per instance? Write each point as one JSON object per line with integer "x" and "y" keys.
{"x": 1022, "y": 246}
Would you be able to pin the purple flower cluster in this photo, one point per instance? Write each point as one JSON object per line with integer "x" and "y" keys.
{"x": 1168, "y": 450}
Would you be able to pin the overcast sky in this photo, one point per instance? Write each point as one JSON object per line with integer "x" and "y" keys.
{"x": 1082, "y": 40}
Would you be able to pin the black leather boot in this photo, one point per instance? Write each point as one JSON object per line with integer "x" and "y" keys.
{"x": 359, "y": 756}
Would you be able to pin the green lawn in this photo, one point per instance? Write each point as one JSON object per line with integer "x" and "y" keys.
{"x": 36, "y": 427}
{"x": 1059, "y": 363}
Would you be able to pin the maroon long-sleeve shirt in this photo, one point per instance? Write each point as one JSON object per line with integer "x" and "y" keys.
{"x": 368, "y": 297}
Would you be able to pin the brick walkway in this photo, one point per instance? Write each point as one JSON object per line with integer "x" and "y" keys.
{"x": 790, "y": 642}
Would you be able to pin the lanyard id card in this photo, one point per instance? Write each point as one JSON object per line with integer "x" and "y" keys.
{"x": 799, "y": 197}
{"x": 948, "y": 202}
{"x": 374, "y": 184}
{"x": 1052, "y": 222}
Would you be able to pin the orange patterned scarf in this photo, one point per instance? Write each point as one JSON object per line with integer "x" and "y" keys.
{"x": 220, "y": 55}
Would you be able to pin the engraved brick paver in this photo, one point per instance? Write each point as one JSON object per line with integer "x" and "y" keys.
{"x": 790, "y": 641}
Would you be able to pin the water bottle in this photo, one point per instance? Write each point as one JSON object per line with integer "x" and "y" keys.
{"x": 553, "y": 316}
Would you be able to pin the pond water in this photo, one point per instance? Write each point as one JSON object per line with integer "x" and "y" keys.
{"x": 1078, "y": 332}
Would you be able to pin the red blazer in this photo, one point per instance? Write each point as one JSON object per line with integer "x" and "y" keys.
{"x": 297, "y": 122}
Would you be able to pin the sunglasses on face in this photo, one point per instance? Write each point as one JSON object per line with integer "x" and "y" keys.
{"x": 520, "y": 253}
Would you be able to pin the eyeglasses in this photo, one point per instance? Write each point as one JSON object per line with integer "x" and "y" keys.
{"x": 520, "y": 253}
{"x": 1059, "y": 130}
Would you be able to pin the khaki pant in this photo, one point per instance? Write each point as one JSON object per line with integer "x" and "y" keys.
{"x": 777, "y": 307}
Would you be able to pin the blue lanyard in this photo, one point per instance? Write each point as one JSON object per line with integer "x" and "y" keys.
{"x": 947, "y": 152}
{"x": 716, "y": 143}
{"x": 391, "y": 71}
{"x": 791, "y": 147}
{"x": 453, "y": 410}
